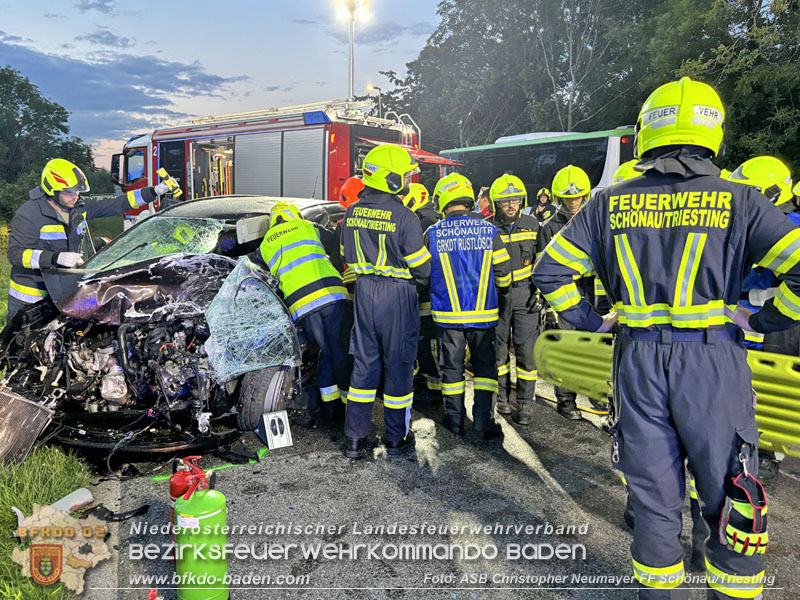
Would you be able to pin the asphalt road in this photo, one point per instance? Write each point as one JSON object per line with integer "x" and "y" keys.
{"x": 553, "y": 472}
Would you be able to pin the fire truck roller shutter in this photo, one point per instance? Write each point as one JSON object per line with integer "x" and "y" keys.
{"x": 257, "y": 164}
{"x": 304, "y": 163}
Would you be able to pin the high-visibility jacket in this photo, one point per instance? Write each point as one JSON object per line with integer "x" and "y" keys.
{"x": 519, "y": 238}
{"x": 294, "y": 254}
{"x": 671, "y": 248}
{"x": 381, "y": 237}
{"x": 38, "y": 235}
{"x": 469, "y": 260}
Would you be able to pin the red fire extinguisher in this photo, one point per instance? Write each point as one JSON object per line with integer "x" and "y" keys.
{"x": 180, "y": 482}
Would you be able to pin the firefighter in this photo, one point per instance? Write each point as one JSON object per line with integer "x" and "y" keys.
{"x": 625, "y": 171}
{"x": 382, "y": 243}
{"x": 484, "y": 205}
{"x": 429, "y": 386}
{"x": 671, "y": 248}
{"x": 469, "y": 263}
{"x": 571, "y": 189}
{"x": 544, "y": 207}
{"x": 317, "y": 300}
{"x": 51, "y": 229}
{"x": 771, "y": 177}
{"x": 519, "y": 309}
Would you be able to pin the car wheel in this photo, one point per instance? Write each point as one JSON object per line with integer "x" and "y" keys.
{"x": 261, "y": 392}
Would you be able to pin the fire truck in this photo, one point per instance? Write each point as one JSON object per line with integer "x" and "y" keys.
{"x": 303, "y": 151}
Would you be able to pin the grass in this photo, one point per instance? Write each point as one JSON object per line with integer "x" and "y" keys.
{"x": 46, "y": 475}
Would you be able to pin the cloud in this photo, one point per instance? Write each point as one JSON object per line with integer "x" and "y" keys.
{"x": 304, "y": 21}
{"x": 7, "y": 37}
{"x": 278, "y": 88}
{"x": 104, "y": 6}
{"x": 373, "y": 35}
{"x": 103, "y": 37}
{"x": 111, "y": 97}
{"x": 54, "y": 16}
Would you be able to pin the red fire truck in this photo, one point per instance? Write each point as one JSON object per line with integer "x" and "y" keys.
{"x": 304, "y": 151}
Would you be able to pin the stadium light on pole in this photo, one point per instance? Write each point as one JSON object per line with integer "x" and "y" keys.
{"x": 353, "y": 10}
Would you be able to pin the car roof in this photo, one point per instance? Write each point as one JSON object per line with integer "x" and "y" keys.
{"x": 235, "y": 206}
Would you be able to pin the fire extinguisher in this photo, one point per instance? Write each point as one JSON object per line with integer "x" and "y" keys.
{"x": 179, "y": 484}
{"x": 201, "y": 519}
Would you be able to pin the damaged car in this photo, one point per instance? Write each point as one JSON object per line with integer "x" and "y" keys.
{"x": 168, "y": 339}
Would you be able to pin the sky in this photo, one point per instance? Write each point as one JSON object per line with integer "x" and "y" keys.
{"x": 125, "y": 67}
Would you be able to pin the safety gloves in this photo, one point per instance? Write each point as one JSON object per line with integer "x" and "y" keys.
{"x": 743, "y": 523}
{"x": 69, "y": 259}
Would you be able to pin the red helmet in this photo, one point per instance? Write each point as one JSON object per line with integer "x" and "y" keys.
{"x": 350, "y": 191}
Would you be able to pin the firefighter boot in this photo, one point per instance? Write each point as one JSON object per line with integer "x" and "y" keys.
{"x": 488, "y": 428}
{"x": 569, "y": 410}
{"x": 503, "y": 405}
{"x": 454, "y": 413}
{"x": 524, "y": 414}
{"x": 401, "y": 446}
{"x": 354, "y": 447}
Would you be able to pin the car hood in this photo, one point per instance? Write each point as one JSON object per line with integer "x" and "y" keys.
{"x": 175, "y": 286}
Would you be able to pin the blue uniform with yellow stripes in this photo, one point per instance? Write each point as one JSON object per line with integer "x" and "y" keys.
{"x": 672, "y": 248}
{"x": 469, "y": 261}
{"x": 38, "y": 234}
{"x": 382, "y": 244}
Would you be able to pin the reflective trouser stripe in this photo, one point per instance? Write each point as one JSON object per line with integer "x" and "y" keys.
{"x": 504, "y": 369}
{"x": 424, "y": 309}
{"x": 26, "y": 294}
{"x": 629, "y": 269}
{"x": 484, "y": 383}
{"x": 527, "y": 375}
{"x": 357, "y": 395}
{"x": 398, "y": 401}
{"x": 453, "y": 389}
{"x": 330, "y": 393}
{"x": 434, "y": 384}
{"x": 483, "y": 285}
{"x": 659, "y": 577}
{"x": 735, "y": 586}
{"x": 783, "y": 255}
{"x": 687, "y": 273}
{"x": 599, "y": 290}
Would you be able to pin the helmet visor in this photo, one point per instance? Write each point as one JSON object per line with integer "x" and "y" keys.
{"x": 81, "y": 186}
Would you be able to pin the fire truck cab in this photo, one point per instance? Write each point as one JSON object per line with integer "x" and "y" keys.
{"x": 304, "y": 151}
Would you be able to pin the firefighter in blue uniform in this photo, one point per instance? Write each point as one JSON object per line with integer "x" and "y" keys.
{"x": 571, "y": 189}
{"x": 312, "y": 289}
{"x": 50, "y": 229}
{"x": 469, "y": 262}
{"x": 519, "y": 309}
{"x": 671, "y": 248}
{"x": 382, "y": 244}
{"x": 429, "y": 387}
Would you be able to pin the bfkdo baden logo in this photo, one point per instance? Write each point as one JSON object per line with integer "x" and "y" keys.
{"x": 61, "y": 547}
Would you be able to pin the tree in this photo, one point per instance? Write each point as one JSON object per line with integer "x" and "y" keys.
{"x": 33, "y": 129}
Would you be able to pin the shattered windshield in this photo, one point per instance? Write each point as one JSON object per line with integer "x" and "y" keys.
{"x": 250, "y": 328}
{"x": 156, "y": 237}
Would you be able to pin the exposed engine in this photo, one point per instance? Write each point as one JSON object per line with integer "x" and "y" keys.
{"x": 76, "y": 365}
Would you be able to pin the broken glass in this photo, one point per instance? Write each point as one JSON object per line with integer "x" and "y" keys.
{"x": 250, "y": 328}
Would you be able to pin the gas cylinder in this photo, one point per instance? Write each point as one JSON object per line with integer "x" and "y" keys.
{"x": 179, "y": 484}
{"x": 201, "y": 518}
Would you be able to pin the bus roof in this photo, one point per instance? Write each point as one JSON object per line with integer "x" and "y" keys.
{"x": 547, "y": 140}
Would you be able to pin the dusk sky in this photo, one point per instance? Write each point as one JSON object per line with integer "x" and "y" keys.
{"x": 122, "y": 68}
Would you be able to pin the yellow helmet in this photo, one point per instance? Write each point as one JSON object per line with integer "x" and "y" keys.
{"x": 417, "y": 196}
{"x": 796, "y": 189}
{"x": 60, "y": 175}
{"x": 724, "y": 174}
{"x": 768, "y": 175}
{"x": 285, "y": 211}
{"x": 388, "y": 168}
{"x": 451, "y": 188}
{"x": 507, "y": 187}
{"x": 625, "y": 171}
{"x": 545, "y": 192}
{"x": 681, "y": 113}
{"x": 571, "y": 182}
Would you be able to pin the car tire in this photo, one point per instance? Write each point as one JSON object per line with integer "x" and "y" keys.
{"x": 261, "y": 392}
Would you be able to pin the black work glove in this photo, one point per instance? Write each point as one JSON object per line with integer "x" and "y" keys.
{"x": 534, "y": 303}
